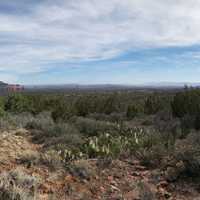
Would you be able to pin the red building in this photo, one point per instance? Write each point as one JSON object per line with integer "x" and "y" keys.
{"x": 15, "y": 88}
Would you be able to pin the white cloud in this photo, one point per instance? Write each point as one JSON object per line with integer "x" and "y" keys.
{"x": 8, "y": 78}
{"x": 79, "y": 30}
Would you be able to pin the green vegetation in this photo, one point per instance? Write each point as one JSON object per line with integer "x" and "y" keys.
{"x": 186, "y": 106}
{"x": 155, "y": 128}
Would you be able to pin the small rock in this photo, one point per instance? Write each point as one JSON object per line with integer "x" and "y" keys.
{"x": 136, "y": 174}
{"x": 110, "y": 178}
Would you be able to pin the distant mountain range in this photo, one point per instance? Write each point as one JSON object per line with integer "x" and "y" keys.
{"x": 107, "y": 86}
{"x": 172, "y": 84}
{"x": 115, "y": 86}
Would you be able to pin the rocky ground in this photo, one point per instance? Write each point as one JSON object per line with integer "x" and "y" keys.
{"x": 90, "y": 179}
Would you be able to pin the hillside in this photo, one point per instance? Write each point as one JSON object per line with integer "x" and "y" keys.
{"x": 23, "y": 161}
{"x": 102, "y": 146}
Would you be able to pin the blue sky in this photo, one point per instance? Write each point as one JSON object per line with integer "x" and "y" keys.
{"x": 96, "y": 42}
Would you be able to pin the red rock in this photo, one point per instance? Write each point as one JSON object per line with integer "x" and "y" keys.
{"x": 110, "y": 178}
{"x": 132, "y": 195}
{"x": 102, "y": 189}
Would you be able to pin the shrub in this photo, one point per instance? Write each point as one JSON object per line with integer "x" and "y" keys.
{"x": 63, "y": 111}
{"x": 81, "y": 169}
{"x": 133, "y": 111}
{"x": 113, "y": 117}
{"x": 40, "y": 122}
{"x": 17, "y": 103}
{"x": 157, "y": 102}
{"x": 152, "y": 105}
{"x": 187, "y": 123}
{"x": 71, "y": 154}
{"x": 63, "y": 135}
{"x": 16, "y": 185}
{"x": 110, "y": 104}
{"x": 58, "y": 136}
{"x": 188, "y": 152}
{"x": 186, "y": 103}
{"x": 10, "y": 121}
{"x": 82, "y": 107}
{"x": 92, "y": 127}
{"x": 109, "y": 145}
{"x": 51, "y": 159}
{"x": 104, "y": 145}
{"x": 2, "y": 112}
{"x": 151, "y": 157}
{"x": 197, "y": 122}
{"x": 153, "y": 147}
{"x": 167, "y": 125}
{"x": 29, "y": 159}
{"x": 184, "y": 161}
{"x": 22, "y": 119}
{"x": 2, "y": 108}
{"x": 57, "y": 130}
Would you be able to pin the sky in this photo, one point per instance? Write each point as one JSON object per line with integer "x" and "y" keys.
{"x": 99, "y": 41}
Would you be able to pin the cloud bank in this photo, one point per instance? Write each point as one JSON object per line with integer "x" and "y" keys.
{"x": 36, "y": 34}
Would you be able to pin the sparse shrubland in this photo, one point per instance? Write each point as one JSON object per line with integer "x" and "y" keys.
{"x": 160, "y": 130}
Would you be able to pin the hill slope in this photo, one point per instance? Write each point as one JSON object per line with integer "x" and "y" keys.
{"x": 86, "y": 179}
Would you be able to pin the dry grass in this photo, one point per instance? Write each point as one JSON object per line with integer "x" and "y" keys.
{"x": 17, "y": 185}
